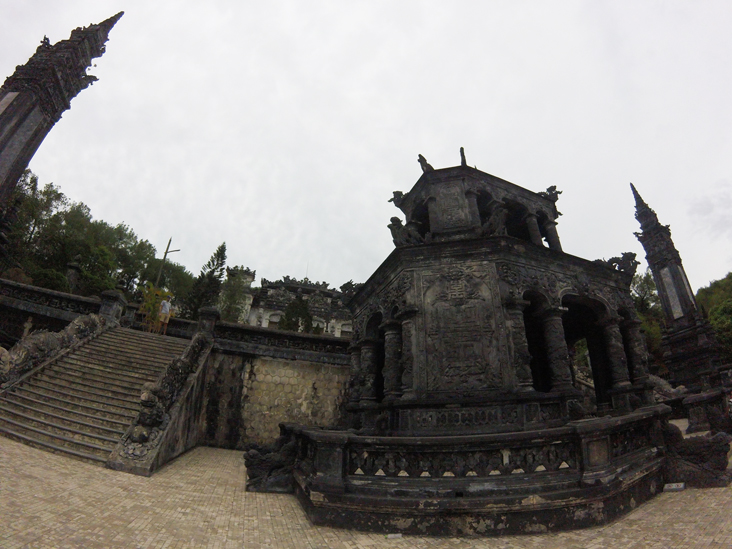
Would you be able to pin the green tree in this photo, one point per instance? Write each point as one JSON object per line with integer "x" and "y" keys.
{"x": 648, "y": 305}
{"x": 715, "y": 294}
{"x": 720, "y": 318}
{"x": 297, "y": 317}
{"x": 50, "y": 232}
{"x": 207, "y": 286}
{"x": 236, "y": 293}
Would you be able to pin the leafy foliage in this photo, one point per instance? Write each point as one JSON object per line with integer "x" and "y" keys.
{"x": 207, "y": 286}
{"x": 648, "y": 305}
{"x": 297, "y": 317}
{"x": 50, "y": 232}
{"x": 715, "y": 294}
{"x": 152, "y": 297}
{"x": 234, "y": 293}
{"x": 720, "y": 317}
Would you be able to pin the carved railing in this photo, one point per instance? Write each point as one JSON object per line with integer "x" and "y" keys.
{"x": 166, "y": 425}
{"x": 41, "y": 300}
{"x": 281, "y": 344}
{"x": 39, "y": 349}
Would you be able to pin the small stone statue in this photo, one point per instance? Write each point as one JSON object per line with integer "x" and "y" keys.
{"x": 423, "y": 162}
{"x": 496, "y": 223}
{"x": 404, "y": 236}
{"x": 463, "y": 162}
{"x": 397, "y": 199}
{"x": 551, "y": 193}
{"x": 626, "y": 263}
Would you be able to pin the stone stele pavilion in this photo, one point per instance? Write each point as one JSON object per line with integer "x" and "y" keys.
{"x": 463, "y": 417}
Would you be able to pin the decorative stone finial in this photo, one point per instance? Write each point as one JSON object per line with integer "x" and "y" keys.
{"x": 463, "y": 162}
{"x": 423, "y": 162}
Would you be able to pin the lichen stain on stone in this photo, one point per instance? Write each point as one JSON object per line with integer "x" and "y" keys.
{"x": 536, "y": 529}
{"x": 533, "y": 500}
{"x": 402, "y": 523}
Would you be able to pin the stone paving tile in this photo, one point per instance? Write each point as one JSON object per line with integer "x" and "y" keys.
{"x": 50, "y": 501}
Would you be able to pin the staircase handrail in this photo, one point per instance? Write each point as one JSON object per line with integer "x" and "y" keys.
{"x": 38, "y": 350}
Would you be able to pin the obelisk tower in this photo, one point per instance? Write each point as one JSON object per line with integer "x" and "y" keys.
{"x": 688, "y": 341}
{"x": 33, "y": 99}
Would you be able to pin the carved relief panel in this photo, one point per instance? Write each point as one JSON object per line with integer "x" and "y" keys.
{"x": 462, "y": 324}
{"x": 451, "y": 207}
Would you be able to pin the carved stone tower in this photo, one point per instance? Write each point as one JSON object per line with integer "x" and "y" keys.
{"x": 688, "y": 341}
{"x": 33, "y": 99}
{"x": 464, "y": 402}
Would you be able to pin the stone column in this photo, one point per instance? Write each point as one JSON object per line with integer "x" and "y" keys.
{"x": 356, "y": 377}
{"x": 392, "y": 355}
{"x": 552, "y": 237}
{"x": 616, "y": 353}
{"x": 368, "y": 369}
{"x": 407, "y": 355}
{"x": 556, "y": 348}
{"x": 521, "y": 356}
{"x": 534, "y": 233}
{"x": 637, "y": 349}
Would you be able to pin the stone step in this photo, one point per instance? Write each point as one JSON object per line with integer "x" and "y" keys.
{"x": 62, "y": 432}
{"x": 92, "y": 379}
{"x": 115, "y": 340}
{"x": 84, "y": 390}
{"x": 101, "y": 371}
{"x": 59, "y": 441}
{"x": 82, "y": 404}
{"x": 41, "y": 390}
{"x": 69, "y": 411}
{"x": 34, "y": 415}
{"x": 50, "y": 447}
{"x": 124, "y": 359}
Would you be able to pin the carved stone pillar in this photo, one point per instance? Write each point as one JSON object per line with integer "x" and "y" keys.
{"x": 532, "y": 224}
{"x": 616, "y": 353}
{"x": 407, "y": 355}
{"x": 113, "y": 304}
{"x": 521, "y": 356}
{"x": 552, "y": 237}
{"x": 356, "y": 375}
{"x": 556, "y": 348}
{"x": 368, "y": 369}
{"x": 637, "y": 349}
{"x": 392, "y": 355}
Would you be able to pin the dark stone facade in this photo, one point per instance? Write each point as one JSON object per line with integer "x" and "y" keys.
{"x": 464, "y": 414}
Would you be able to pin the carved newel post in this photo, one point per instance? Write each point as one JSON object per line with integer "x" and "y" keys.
{"x": 392, "y": 355}
{"x": 556, "y": 348}
{"x": 113, "y": 304}
{"x": 356, "y": 376}
{"x": 207, "y": 318}
{"x": 368, "y": 369}
{"x": 521, "y": 355}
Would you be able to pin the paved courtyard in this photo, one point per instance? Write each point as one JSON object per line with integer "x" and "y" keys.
{"x": 199, "y": 500}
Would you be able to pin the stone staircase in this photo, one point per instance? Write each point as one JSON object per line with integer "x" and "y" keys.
{"x": 81, "y": 404}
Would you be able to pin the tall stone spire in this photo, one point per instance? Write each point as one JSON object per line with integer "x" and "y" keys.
{"x": 688, "y": 344}
{"x": 35, "y": 96}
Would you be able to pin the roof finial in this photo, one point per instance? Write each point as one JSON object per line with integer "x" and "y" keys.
{"x": 463, "y": 162}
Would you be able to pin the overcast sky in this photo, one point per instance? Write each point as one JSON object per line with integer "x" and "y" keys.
{"x": 282, "y": 128}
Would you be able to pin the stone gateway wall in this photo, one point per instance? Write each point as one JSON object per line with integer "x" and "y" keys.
{"x": 248, "y": 398}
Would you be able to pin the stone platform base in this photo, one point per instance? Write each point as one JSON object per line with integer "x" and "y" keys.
{"x": 583, "y": 474}
{"x": 482, "y": 517}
